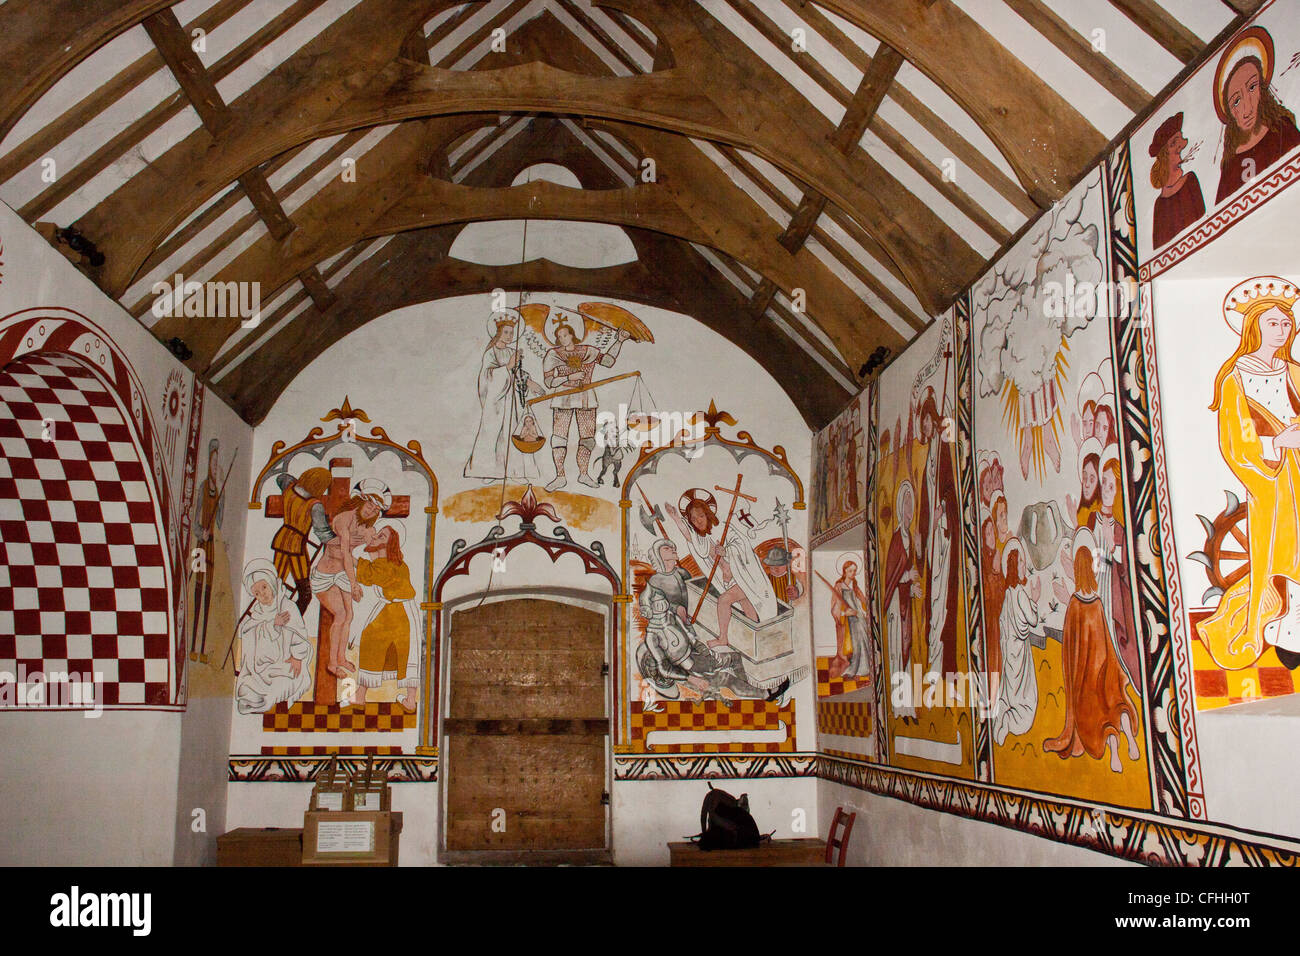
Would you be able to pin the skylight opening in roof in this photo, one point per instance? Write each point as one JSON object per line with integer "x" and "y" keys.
{"x": 581, "y": 245}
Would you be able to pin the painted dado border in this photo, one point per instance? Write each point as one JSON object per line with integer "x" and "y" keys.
{"x": 713, "y": 766}
{"x": 259, "y": 768}
{"x": 1142, "y": 838}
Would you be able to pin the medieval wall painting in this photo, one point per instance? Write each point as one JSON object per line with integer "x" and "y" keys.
{"x": 922, "y": 614}
{"x": 839, "y": 473}
{"x": 1228, "y": 131}
{"x": 716, "y": 580}
{"x": 330, "y": 631}
{"x": 561, "y": 394}
{"x": 1224, "y": 327}
{"x": 1062, "y": 649}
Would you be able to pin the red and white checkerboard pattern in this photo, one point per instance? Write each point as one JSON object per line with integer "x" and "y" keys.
{"x": 83, "y": 583}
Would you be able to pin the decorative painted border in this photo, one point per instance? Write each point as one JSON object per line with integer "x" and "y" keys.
{"x": 848, "y": 524}
{"x": 1223, "y": 220}
{"x": 65, "y": 331}
{"x": 257, "y": 768}
{"x": 498, "y": 544}
{"x": 1169, "y": 788}
{"x": 713, "y": 715}
{"x": 713, "y": 766}
{"x": 1152, "y": 840}
{"x": 871, "y": 560}
{"x": 1180, "y": 637}
{"x": 963, "y": 335}
{"x": 189, "y": 472}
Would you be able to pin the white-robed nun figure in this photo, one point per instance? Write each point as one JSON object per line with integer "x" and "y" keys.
{"x": 277, "y": 654}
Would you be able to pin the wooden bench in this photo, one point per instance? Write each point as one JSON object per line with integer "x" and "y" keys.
{"x": 804, "y": 851}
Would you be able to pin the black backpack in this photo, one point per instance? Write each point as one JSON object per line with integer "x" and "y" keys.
{"x": 725, "y": 823}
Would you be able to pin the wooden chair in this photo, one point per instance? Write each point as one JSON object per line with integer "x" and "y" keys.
{"x": 841, "y": 827}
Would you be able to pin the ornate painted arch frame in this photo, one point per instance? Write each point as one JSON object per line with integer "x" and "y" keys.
{"x": 685, "y": 445}
{"x": 498, "y": 544}
{"x": 348, "y": 433}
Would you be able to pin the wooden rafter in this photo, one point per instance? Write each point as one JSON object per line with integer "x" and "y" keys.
{"x": 1163, "y": 27}
{"x": 1042, "y": 136}
{"x": 1097, "y": 65}
{"x": 173, "y": 43}
{"x": 275, "y": 116}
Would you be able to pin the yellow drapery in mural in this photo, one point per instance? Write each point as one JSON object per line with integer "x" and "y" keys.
{"x": 1234, "y": 633}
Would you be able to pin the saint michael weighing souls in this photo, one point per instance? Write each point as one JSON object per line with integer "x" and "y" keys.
{"x": 570, "y": 345}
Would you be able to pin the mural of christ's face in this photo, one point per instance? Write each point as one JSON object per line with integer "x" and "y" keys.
{"x": 697, "y": 515}
{"x": 370, "y": 509}
{"x": 1274, "y": 328}
{"x": 1243, "y": 95}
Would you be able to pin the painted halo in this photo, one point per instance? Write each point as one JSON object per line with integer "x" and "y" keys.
{"x": 697, "y": 494}
{"x": 1256, "y": 289}
{"x": 1083, "y": 538}
{"x": 1253, "y": 41}
{"x": 845, "y": 558}
{"x": 903, "y": 489}
{"x": 1090, "y": 446}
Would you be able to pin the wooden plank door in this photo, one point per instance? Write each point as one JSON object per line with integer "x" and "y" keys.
{"x": 526, "y": 728}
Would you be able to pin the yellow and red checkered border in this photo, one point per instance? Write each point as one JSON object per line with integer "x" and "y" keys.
{"x": 713, "y": 715}
{"x": 826, "y": 687}
{"x": 306, "y": 717}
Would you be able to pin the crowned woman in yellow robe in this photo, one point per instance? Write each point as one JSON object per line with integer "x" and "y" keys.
{"x": 1257, "y": 397}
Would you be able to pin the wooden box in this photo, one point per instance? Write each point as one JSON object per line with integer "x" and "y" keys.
{"x": 265, "y": 846}
{"x": 350, "y": 838}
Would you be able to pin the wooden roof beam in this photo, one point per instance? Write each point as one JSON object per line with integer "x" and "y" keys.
{"x": 1043, "y": 137}
{"x": 1097, "y": 65}
{"x": 41, "y": 41}
{"x": 1163, "y": 27}
{"x": 700, "y": 205}
{"x": 414, "y": 269}
{"x": 300, "y": 101}
{"x": 177, "y": 52}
